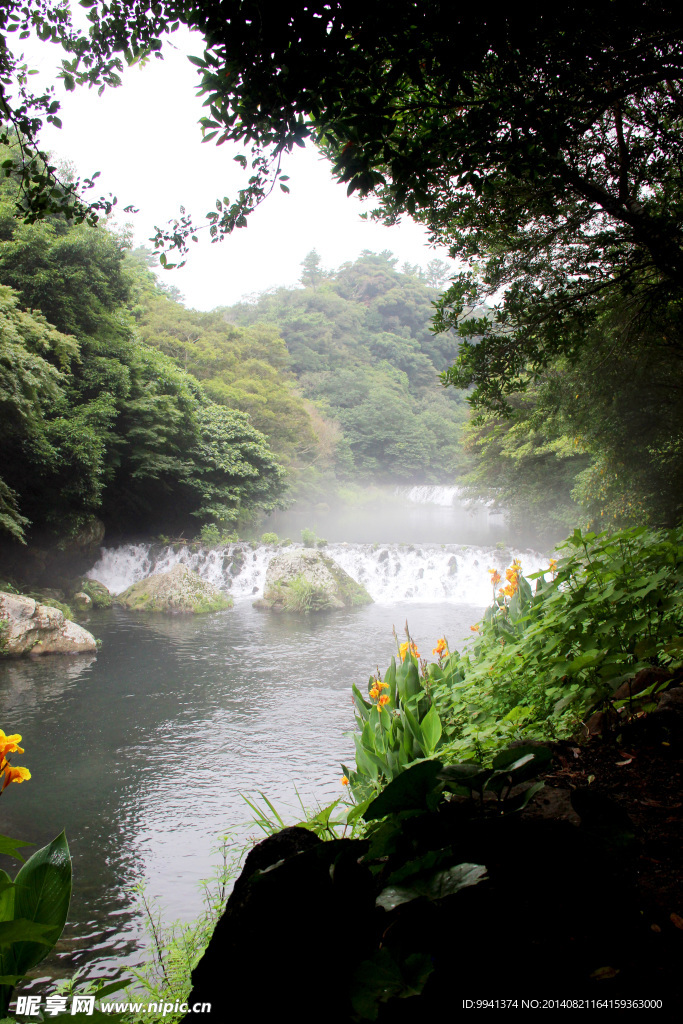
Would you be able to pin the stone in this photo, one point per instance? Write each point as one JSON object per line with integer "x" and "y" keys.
{"x": 37, "y": 629}
{"x": 97, "y": 592}
{"x": 82, "y": 601}
{"x": 178, "y": 592}
{"x": 306, "y": 580}
{"x": 300, "y": 911}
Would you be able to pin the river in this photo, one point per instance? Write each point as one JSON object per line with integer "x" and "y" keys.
{"x": 143, "y": 753}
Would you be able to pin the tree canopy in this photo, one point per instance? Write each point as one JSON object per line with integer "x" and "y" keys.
{"x": 543, "y": 146}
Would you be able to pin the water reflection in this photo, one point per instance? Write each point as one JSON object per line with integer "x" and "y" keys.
{"x": 142, "y": 753}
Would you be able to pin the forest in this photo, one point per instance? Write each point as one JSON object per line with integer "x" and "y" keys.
{"x": 499, "y": 785}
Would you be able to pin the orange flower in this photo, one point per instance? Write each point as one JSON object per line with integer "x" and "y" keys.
{"x": 475, "y": 629}
{"x": 441, "y": 647}
{"x": 382, "y": 685}
{"x": 14, "y": 774}
{"x": 9, "y": 745}
{"x": 403, "y": 650}
{"x": 552, "y": 565}
{"x": 384, "y": 699}
{"x": 374, "y": 692}
{"x": 344, "y": 781}
{"x": 495, "y": 577}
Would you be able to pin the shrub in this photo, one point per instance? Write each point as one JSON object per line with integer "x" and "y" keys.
{"x": 308, "y": 537}
{"x": 542, "y": 658}
{"x": 269, "y": 538}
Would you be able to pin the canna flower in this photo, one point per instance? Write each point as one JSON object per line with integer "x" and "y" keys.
{"x": 475, "y": 629}
{"x": 9, "y": 745}
{"x": 384, "y": 699}
{"x": 14, "y": 774}
{"x": 495, "y": 577}
{"x": 374, "y": 692}
{"x": 383, "y": 685}
{"x": 403, "y": 650}
{"x": 344, "y": 781}
{"x": 441, "y": 647}
{"x": 552, "y": 565}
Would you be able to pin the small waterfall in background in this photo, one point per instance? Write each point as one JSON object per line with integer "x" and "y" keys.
{"x": 429, "y": 494}
{"x": 392, "y": 573}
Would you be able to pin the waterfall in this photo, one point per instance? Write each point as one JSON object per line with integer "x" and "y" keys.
{"x": 391, "y": 573}
{"x": 430, "y": 494}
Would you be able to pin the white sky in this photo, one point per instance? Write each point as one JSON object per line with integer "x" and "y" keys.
{"x": 145, "y": 141}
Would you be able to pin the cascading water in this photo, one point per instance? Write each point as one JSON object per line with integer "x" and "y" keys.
{"x": 391, "y": 573}
{"x": 429, "y": 494}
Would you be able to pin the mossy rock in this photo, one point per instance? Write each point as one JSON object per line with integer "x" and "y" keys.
{"x": 97, "y": 592}
{"x": 178, "y": 592}
{"x": 306, "y": 580}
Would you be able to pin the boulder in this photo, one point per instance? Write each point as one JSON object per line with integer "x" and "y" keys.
{"x": 96, "y": 592}
{"x": 178, "y": 592}
{"x": 306, "y": 580}
{"x": 33, "y": 628}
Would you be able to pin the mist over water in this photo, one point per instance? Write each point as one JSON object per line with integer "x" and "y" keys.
{"x": 143, "y": 752}
{"x": 399, "y": 515}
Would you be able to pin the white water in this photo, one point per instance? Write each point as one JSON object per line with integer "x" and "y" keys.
{"x": 391, "y": 573}
{"x": 430, "y": 494}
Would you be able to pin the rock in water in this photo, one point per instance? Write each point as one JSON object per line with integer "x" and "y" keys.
{"x": 305, "y": 580}
{"x": 33, "y": 628}
{"x": 178, "y": 592}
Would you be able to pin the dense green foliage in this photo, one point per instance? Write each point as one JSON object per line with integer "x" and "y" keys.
{"x": 360, "y": 343}
{"x": 541, "y": 658}
{"x": 95, "y": 421}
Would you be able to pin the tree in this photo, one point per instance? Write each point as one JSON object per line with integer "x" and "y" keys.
{"x": 311, "y": 271}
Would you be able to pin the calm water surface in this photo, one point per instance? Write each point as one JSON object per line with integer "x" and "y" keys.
{"x": 142, "y": 752}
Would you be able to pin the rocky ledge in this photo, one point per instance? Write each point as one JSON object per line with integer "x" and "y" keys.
{"x": 27, "y": 627}
{"x": 309, "y": 581}
{"x": 178, "y": 592}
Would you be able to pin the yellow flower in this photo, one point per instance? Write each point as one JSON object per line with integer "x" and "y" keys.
{"x": 384, "y": 699}
{"x": 14, "y": 774}
{"x": 383, "y": 685}
{"x": 344, "y": 781}
{"x": 441, "y": 647}
{"x": 403, "y": 650}
{"x": 495, "y": 576}
{"x": 374, "y": 692}
{"x": 9, "y": 745}
{"x": 475, "y": 629}
{"x": 552, "y": 565}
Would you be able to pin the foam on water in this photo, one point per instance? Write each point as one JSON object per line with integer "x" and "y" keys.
{"x": 391, "y": 573}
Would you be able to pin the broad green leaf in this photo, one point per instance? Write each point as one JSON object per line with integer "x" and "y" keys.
{"x": 21, "y": 930}
{"x": 415, "y": 729}
{"x": 434, "y": 887}
{"x": 431, "y": 729}
{"x": 409, "y": 791}
{"x": 42, "y": 895}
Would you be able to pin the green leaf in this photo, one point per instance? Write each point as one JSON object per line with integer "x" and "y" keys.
{"x": 431, "y": 729}
{"x": 42, "y": 896}
{"x": 9, "y": 847}
{"x": 6, "y": 897}
{"x": 415, "y": 729}
{"x": 413, "y": 789}
{"x": 435, "y": 887}
{"x": 21, "y": 930}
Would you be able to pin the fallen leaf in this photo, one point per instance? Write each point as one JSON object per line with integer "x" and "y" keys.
{"x": 620, "y": 764}
{"x": 605, "y": 972}
{"x": 591, "y": 778}
{"x": 655, "y": 928}
{"x": 676, "y": 920}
